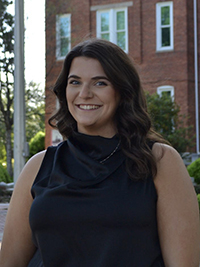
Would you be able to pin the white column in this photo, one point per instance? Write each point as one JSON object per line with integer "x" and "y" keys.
{"x": 19, "y": 84}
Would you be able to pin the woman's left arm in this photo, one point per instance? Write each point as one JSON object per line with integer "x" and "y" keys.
{"x": 177, "y": 210}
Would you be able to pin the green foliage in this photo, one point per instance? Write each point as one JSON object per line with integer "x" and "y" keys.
{"x": 6, "y": 79}
{"x": 35, "y": 109}
{"x": 6, "y": 28}
{"x": 37, "y": 143}
{"x": 194, "y": 170}
{"x": 2, "y": 144}
{"x": 4, "y": 176}
{"x": 34, "y": 96}
{"x": 197, "y": 188}
{"x": 167, "y": 121}
{"x": 198, "y": 197}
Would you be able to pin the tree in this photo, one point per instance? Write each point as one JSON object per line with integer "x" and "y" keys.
{"x": 37, "y": 143}
{"x": 168, "y": 121}
{"x": 34, "y": 95}
{"x": 2, "y": 143}
{"x": 6, "y": 77}
{"x": 35, "y": 110}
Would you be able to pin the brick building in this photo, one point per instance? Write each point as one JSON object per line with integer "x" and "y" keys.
{"x": 158, "y": 35}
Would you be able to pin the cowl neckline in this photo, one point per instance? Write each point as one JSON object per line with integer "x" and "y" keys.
{"x": 96, "y": 147}
{"x": 77, "y": 161}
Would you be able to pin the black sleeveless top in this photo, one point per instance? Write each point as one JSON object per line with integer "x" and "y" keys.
{"x": 91, "y": 214}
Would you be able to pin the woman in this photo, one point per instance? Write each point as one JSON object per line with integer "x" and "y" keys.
{"x": 113, "y": 194}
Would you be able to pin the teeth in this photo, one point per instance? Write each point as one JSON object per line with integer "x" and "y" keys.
{"x": 88, "y": 107}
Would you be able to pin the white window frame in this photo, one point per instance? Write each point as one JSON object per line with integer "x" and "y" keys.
{"x": 159, "y": 27}
{"x": 166, "y": 88}
{"x": 56, "y": 137}
{"x": 57, "y": 104}
{"x": 58, "y": 37}
{"x": 112, "y": 24}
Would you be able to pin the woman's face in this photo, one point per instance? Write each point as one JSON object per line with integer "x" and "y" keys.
{"x": 91, "y": 98}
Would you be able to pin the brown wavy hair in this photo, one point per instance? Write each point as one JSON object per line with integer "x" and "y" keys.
{"x": 132, "y": 120}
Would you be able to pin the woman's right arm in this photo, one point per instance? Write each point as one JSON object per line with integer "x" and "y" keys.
{"x": 17, "y": 246}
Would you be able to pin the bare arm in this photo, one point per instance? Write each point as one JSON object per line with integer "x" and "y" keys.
{"x": 17, "y": 246}
{"x": 177, "y": 210}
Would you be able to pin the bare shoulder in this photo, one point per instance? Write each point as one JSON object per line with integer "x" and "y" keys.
{"x": 167, "y": 158}
{"x": 163, "y": 151}
{"x": 36, "y": 160}
{"x": 177, "y": 209}
{"x": 19, "y": 243}
{"x": 27, "y": 177}
{"x": 170, "y": 167}
{"x": 31, "y": 168}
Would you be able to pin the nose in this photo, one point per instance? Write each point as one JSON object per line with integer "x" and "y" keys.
{"x": 85, "y": 91}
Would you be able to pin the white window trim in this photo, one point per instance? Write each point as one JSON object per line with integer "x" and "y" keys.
{"x": 158, "y": 27}
{"x": 166, "y": 88}
{"x": 57, "y": 104}
{"x": 58, "y": 36}
{"x": 109, "y": 6}
{"x": 56, "y": 137}
{"x": 112, "y": 24}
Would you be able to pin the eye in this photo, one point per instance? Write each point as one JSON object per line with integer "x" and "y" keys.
{"x": 73, "y": 82}
{"x": 101, "y": 83}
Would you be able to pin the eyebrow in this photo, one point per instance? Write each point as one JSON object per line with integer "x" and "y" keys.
{"x": 93, "y": 78}
{"x": 100, "y": 77}
{"x": 74, "y": 76}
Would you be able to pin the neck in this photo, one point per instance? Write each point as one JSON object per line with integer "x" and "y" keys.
{"x": 104, "y": 133}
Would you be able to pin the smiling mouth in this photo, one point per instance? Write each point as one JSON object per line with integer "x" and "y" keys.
{"x": 88, "y": 107}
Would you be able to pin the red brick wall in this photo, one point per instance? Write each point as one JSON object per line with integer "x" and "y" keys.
{"x": 175, "y": 68}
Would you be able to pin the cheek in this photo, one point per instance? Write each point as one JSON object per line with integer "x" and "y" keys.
{"x": 111, "y": 96}
{"x": 69, "y": 102}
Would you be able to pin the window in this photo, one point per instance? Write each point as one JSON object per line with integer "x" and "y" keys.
{"x": 167, "y": 89}
{"x": 164, "y": 26}
{"x": 57, "y": 104}
{"x": 63, "y": 35}
{"x": 56, "y": 137}
{"x": 112, "y": 26}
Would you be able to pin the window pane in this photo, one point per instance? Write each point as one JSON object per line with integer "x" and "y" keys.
{"x": 105, "y": 22}
{"x": 64, "y": 46}
{"x": 64, "y": 26}
{"x": 166, "y": 93}
{"x": 105, "y": 36}
{"x": 121, "y": 41}
{"x": 165, "y": 15}
{"x": 165, "y": 37}
{"x": 120, "y": 20}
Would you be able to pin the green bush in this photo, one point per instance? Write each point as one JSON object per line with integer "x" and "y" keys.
{"x": 4, "y": 176}
{"x": 197, "y": 189}
{"x": 194, "y": 170}
{"x": 37, "y": 143}
{"x": 198, "y": 197}
{"x": 169, "y": 122}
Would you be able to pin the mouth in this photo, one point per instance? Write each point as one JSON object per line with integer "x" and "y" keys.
{"x": 88, "y": 107}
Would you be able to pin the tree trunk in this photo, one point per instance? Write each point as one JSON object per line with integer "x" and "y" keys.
{"x": 9, "y": 152}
